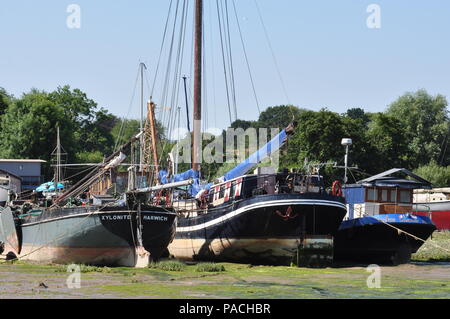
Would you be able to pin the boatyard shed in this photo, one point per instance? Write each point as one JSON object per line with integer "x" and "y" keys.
{"x": 29, "y": 170}
{"x": 10, "y": 180}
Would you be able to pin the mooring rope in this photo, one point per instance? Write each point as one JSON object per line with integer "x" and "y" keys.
{"x": 415, "y": 237}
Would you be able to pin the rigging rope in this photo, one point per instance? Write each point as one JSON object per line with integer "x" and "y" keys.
{"x": 224, "y": 61}
{"x": 415, "y": 237}
{"x": 230, "y": 57}
{"x": 119, "y": 136}
{"x": 162, "y": 47}
{"x": 273, "y": 56}
{"x": 246, "y": 58}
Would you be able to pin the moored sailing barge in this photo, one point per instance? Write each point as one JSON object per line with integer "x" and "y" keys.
{"x": 109, "y": 232}
{"x": 275, "y": 219}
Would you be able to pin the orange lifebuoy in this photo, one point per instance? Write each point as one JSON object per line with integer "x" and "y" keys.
{"x": 336, "y": 189}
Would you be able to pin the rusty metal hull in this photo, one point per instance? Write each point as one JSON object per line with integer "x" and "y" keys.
{"x": 266, "y": 229}
{"x": 89, "y": 235}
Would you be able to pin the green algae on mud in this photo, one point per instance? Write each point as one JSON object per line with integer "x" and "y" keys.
{"x": 427, "y": 277}
{"x": 436, "y": 248}
{"x": 232, "y": 281}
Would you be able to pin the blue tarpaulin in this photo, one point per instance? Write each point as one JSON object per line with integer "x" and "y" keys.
{"x": 239, "y": 170}
{"x": 195, "y": 175}
{"x": 257, "y": 157}
{"x": 386, "y": 218}
{"x": 50, "y": 187}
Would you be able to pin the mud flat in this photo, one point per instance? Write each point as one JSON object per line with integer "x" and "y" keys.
{"x": 427, "y": 276}
{"x": 417, "y": 280}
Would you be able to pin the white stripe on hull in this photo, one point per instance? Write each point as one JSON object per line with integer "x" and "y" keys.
{"x": 260, "y": 205}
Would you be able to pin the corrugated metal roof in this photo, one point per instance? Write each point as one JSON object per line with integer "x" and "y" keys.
{"x": 385, "y": 179}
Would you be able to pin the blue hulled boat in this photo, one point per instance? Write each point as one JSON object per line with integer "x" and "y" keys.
{"x": 380, "y": 226}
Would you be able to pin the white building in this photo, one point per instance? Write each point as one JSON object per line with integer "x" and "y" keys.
{"x": 8, "y": 183}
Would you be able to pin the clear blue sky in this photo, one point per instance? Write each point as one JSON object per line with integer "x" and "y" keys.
{"x": 327, "y": 55}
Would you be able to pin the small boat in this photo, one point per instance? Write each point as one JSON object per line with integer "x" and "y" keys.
{"x": 435, "y": 203}
{"x": 380, "y": 226}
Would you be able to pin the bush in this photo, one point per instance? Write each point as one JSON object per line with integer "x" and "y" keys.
{"x": 168, "y": 265}
{"x": 209, "y": 267}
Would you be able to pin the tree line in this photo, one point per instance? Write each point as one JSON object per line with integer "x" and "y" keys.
{"x": 412, "y": 132}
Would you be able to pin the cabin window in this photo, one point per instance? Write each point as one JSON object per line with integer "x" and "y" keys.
{"x": 372, "y": 194}
{"x": 394, "y": 196}
{"x": 222, "y": 191}
{"x": 384, "y": 195}
{"x": 233, "y": 189}
{"x": 405, "y": 196}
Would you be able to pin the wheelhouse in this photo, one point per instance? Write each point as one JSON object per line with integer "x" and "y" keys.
{"x": 383, "y": 194}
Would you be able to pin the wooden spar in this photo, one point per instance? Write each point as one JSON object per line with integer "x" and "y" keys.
{"x": 141, "y": 127}
{"x": 76, "y": 188}
{"x": 197, "y": 85}
{"x": 166, "y": 186}
{"x": 151, "y": 121}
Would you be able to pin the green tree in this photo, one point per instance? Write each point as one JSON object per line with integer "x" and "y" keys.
{"x": 28, "y": 128}
{"x": 278, "y": 116}
{"x": 438, "y": 175}
{"x": 388, "y": 141}
{"x": 91, "y": 127}
{"x": 426, "y": 123}
{"x": 5, "y": 101}
{"x": 243, "y": 124}
{"x": 358, "y": 114}
{"x": 124, "y": 130}
{"x": 316, "y": 138}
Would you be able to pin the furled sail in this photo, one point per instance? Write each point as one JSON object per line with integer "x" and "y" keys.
{"x": 257, "y": 157}
{"x": 194, "y": 188}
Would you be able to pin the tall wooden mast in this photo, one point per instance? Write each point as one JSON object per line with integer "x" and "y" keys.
{"x": 196, "y": 154}
{"x": 150, "y": 150}
{"x": 142, "y": 66}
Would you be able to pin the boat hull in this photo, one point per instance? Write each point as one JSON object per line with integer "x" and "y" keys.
{"x": 4, "y": 194}
{"x": 103, "y": 237}
{"x": 266, "y": 229}
{"x": 381, "y": 239}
